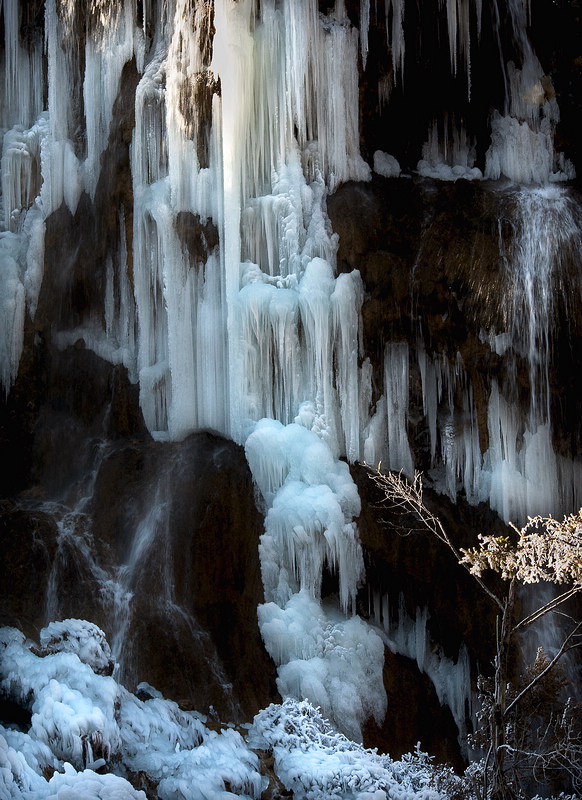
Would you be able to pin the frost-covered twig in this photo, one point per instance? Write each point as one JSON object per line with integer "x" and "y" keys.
{"x": 551, "y": 605}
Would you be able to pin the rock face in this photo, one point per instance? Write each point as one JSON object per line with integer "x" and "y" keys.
{"x": 155, "y": 542}
{"x": 433, "y": 262}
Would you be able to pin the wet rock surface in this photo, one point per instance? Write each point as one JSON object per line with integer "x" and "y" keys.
{"x": 432, "y": 257}
{"x": 94, "y": 484}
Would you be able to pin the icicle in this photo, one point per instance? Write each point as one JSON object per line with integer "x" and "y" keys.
{"x": 396, "y": 385}
{"x": 452, "y": 9}
{"x": 346, "y": 302}
{"x": 396, "y": 36}
{"x": 21, "y": 73}
{"x": 430, "y": 396}
{"x": 409, "y": 637}
{"x": 448, "y": 154}
{"x": 364, "y": 26}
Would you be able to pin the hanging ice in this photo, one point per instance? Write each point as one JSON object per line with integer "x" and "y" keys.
{"x": 522, "y": 138}
{"x": 451, "y": 679}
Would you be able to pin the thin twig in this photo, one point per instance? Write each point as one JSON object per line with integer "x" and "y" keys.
{"x": 402, "y": 494}
{"x": 538, "y": 677}
{"x": 549, "y": 606}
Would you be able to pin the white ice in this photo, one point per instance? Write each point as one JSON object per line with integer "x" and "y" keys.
{"x": 315, "y": 762}
{"x": 386, "y": 165}
{"x": 311, "y": 500}
{"x": 408, "y": 636}
{"x": 448, "y": 154}
{"x": 83, "y": 722}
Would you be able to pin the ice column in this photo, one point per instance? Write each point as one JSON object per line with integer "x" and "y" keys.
{"x": 292, "y": 329}
{"x": 333, "y": 660}
{"x": 179, "y": 284}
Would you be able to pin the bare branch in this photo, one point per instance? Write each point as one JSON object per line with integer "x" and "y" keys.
{"x": 401, "y": 493}
{"x": 551, "y": 605}
{"x": 564, "y": 648}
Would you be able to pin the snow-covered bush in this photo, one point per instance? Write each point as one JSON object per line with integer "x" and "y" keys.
{"x": 316, "y": 762}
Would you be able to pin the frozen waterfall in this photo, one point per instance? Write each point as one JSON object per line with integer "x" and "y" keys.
{"x": 220, "y": 287}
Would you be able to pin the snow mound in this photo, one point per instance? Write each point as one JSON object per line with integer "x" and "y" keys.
{"x": 386, "y": 165}
{"x": 83, "y": 638}
{"x": 84, "y": 724}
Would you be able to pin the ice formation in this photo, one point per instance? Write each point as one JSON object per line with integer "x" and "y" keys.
{"x": 315, "y": 762}
{"x": 334, "y": 661}
{"x": 448, "y": 155}
{"x": 522, "y": 140}
{"x": 451, "y": 679}
{"x": 386, "y": 165}
{"x": 228, "y": 310}
{"x": 82, "y": 638}
{"x": 88, "y": 735}
{"x": 83, "y": 723}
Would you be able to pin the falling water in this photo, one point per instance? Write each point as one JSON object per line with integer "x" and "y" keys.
{"x": 129, "y": 584}
{"x": 526, "y": 472}
{"x": 547, "y": 234}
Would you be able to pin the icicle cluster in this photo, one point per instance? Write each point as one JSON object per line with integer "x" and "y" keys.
{"x": 409, "y": 637}
{"x": 522, "y": 138}
{"x": 448, "y": 154}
